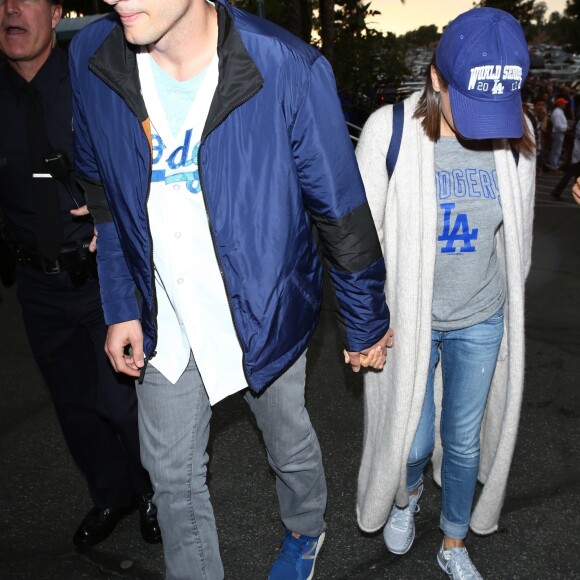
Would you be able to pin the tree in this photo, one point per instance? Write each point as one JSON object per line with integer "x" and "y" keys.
{"x": 563, "y": 29}
{"x": 539, "y": 13}
{"x": 326, "y": 10}
{"x": 572, "y": 9}
{"x": 423, "y": 36}
{"x": 521, "y": 10}
{"x": 85, "y": 7}
{"x": 365, "y": 59}
{"x": 538, "y": 20}
{"x": 329, "y": 19}
{"x": 572, "y": 14}
{"x": 293, "y": 15}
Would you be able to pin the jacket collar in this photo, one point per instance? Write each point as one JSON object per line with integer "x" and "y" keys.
{"x": 115, "y": 62}
{"x": 239, "y": 77}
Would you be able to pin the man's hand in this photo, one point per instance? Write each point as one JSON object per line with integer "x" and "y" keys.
{"x": 119, "y": 336}
{"x": 374, "y": 357}
{"x": 576, "y": 191}
{"x": 81, "y": 212}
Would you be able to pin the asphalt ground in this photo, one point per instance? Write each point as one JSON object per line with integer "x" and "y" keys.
{"x": 43, "y": 497}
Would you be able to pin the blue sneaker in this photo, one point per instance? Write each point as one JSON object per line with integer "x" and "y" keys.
{"x": 296, "y": 557}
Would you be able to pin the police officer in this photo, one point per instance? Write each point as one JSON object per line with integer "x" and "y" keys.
{"x": 55, "y": 271}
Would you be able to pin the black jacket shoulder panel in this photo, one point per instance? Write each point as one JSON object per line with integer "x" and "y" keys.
{"x": 120, "y": 72}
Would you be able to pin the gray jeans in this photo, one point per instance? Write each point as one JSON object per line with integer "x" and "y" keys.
{"x": 174, "y": 431}
{"x": 556, "y": 150}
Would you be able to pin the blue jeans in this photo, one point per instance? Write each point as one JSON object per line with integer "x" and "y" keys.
{"x": 174, "y": 431}
{"x": 468, "y": 359}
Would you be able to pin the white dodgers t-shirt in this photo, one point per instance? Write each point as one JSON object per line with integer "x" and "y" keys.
{"x": 193, "y": 310}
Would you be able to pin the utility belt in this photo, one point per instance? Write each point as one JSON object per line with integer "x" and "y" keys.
{"x": 73, "y": 258}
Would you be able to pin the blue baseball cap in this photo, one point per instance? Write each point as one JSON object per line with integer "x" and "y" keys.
{"x": 483, "y": 55}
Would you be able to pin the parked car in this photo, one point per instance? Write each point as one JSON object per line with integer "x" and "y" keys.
{"x": 553, "y": 56}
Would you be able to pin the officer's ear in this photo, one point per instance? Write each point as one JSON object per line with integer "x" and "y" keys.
{"x": 55, "y": 13}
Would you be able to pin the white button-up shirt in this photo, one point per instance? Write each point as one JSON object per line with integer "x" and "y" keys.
{"x": 193, "y": 310}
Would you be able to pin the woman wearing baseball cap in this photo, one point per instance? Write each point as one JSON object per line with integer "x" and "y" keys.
{"x": 455, "y": 222}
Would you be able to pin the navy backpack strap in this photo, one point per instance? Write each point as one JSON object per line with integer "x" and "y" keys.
{"x": 395, "y": 144}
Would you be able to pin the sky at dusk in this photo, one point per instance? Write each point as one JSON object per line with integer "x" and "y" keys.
{"x": 400, "y": 18}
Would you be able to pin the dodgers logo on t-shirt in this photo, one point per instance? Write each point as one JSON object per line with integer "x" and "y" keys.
{"x": 460, "y": 231}
{"x": 182, "y": 157}
{"x": 467, "y": 282}
{"x": 462, "y": 184}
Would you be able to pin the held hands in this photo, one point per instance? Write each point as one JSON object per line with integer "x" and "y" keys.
{"x": 576, "y": 191}
{"x": 120, "y": 336}
{"x": 374, "y": 357}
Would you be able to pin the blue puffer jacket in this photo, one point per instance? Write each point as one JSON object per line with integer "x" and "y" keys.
{"x": 274, "y": 158}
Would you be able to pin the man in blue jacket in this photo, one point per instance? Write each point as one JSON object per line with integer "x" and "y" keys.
{"x": 209, "y": 142}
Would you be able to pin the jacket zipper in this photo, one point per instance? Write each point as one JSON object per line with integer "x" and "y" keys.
{"x": 151, "y": 262}
{"x": 209, "y": 222}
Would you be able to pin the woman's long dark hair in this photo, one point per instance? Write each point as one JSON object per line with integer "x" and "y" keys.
{"x": 429, "y": 111}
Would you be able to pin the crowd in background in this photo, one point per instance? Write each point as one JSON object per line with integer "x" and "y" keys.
{"x": 554, "y": 108}
{"x": 552, "y": 105}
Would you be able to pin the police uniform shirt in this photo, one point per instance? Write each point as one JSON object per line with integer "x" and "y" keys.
{"x": 16, "y": 194}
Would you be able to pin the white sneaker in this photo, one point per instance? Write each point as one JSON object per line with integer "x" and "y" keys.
{"x": 457, "y": 564}
{"x": 399, "y": 531}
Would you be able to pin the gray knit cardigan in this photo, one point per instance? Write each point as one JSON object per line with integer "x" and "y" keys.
{"x": 405, "y": 214}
